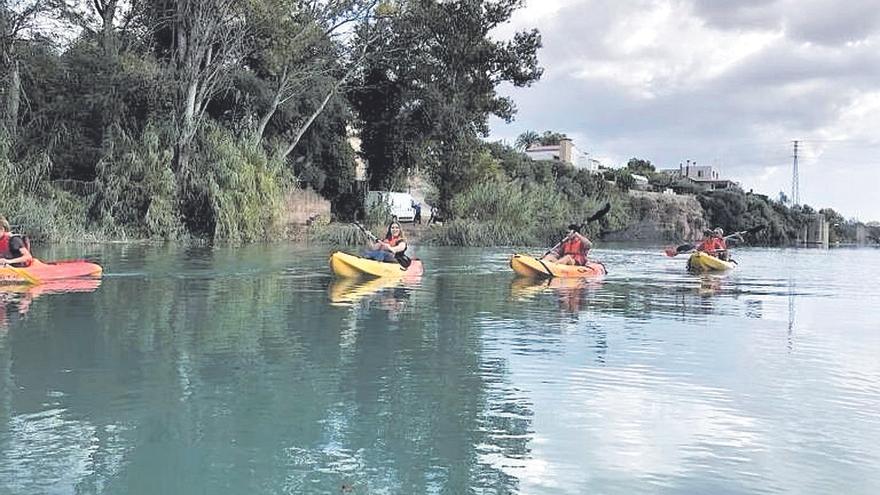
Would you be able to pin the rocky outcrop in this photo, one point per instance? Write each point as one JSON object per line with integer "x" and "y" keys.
{"x": 660, "y": 217}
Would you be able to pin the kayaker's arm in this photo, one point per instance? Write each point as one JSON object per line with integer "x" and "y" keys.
{"x": 24, "y": 258}
{"x": 588, "y": 244}
{"x": 399, "y": 248}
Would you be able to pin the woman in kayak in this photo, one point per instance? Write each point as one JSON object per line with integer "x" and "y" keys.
{"x": 14, "y": 249}
{"x": 387, "y": 249}
{"x": 573, "y": 250}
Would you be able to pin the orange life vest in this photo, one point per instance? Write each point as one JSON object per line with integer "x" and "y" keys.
{"x": 573, "y": 246}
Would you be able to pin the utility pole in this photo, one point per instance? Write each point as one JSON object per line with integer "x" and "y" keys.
{"x": 795, "y": 192}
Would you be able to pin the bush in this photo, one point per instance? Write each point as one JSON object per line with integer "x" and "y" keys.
{"x": 233, "y": 189}
{"x": 136, "y": 193}
{"x": 509, "y": 213}
{"x": 31, "y": 204}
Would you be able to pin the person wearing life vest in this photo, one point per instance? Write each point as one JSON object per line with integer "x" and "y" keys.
{"x": 387, "y": 249}
{"x": 14, "y": 249}
{"x": 713, "y": 243}
{"x": 573, "y": 250}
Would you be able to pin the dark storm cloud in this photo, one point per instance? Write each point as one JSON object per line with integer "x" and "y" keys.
{"x": 823, "y": 22}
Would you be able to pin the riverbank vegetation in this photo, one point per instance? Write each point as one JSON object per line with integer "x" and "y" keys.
{"x": 169, "y": 120}
{"x": 173, "y": 120}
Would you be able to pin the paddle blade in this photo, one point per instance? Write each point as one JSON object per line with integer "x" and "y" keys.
{"x": 757, "y": 228}
{"x": 24, "y": 274}
{"x": 601, "y": 213}
{"x": 684, "y": 248}
{"x": 403, "y": 260}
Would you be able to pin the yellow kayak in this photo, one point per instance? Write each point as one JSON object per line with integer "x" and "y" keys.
{"x": 528, "y": 266}
{"x": 348, "y": 265}
{"x": 704, "y": 262}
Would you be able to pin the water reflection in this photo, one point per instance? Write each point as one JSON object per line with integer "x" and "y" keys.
{"x": 222, "y": 372}
{"x": 18, "y": 298}
{"x": 573, "y": 294}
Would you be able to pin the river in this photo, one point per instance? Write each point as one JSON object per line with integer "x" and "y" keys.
{"x": 252, "y": 371}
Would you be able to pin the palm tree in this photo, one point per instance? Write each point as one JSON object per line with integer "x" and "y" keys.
{"x": 527, "y": 140}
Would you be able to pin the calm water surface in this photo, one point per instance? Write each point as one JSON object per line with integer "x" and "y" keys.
{"x": 252, "y": 371}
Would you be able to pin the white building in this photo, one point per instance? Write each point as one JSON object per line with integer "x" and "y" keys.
{"x": 706, "y": 175}
{"x": 566, "y": 152}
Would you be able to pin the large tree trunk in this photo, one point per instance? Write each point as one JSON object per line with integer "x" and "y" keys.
{"x": 264, "y": 120}
{"x": 108, "y": 36}
{"x": 308, "y": 123}
{"x": 187, "y": 128}
{"x": 13, "y": 99}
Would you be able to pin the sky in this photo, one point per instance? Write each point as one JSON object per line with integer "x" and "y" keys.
{"x": 723, "y": 83}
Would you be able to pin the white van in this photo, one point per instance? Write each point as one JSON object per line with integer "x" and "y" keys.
{"x": 401, "y": 204}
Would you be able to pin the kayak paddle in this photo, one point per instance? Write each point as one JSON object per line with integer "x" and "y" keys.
{"x": 684, "y": 248}
{"x": 401, "y": 258}
{"x": 596, "y": 216}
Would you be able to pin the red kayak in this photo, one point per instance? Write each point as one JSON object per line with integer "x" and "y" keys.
{"x": 40, "y": 272}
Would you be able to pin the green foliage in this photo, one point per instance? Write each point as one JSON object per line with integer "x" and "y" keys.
{"x": 429, "y": 86}
{"x": 336, "y": 234}
{"x": 503, "y": 212}
{"x": 622, "y": 177}
{"x": 640, "y": 167}
{"x": 526, "y": 140}
{"x": 32, "y": 203}
{"x": 235, "y": 188}
{"x": 531, "y": 138}
{"x": 732, "y": 210}
{"x": 136, "y": 193}
{"x": 551, "y": 138}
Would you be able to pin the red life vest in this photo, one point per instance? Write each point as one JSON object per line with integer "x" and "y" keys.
{"x": 575, "y": 248}
{"x": 4, "y": 244}
{"x": 712, "y": 245}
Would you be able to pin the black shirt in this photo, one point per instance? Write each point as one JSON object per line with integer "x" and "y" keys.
{"x": 15, "y": 245}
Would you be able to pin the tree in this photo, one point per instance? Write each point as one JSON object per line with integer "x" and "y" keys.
{"x": 430, "y": 87}
{"x": 22, "y": 22}
{"x": 550, "y": 138}
{"x": 302, "y": 45}
{"x": 527, "y": 139}
{"x": 641, "y": 167}
{"x": 202, "y": 40}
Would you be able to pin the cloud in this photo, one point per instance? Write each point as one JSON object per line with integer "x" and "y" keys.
{"x": 724, "y": 83}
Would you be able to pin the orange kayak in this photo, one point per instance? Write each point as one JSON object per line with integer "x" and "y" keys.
{"x": 40, "y": 272}
{"x": 528, "y": 266}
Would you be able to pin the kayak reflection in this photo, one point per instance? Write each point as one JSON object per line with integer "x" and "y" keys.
{"x": 573, "y": 293}
{"x": 388, "y": 294}
{"x": 19, "y": 297}
{"x": 710, "y": 285}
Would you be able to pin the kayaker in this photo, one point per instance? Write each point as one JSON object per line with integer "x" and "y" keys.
{"x": 14, "y": 248}
{"x": 573, "y": 250}
{"x": 393, "y": 244}
{"x": 709, "y": 244}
